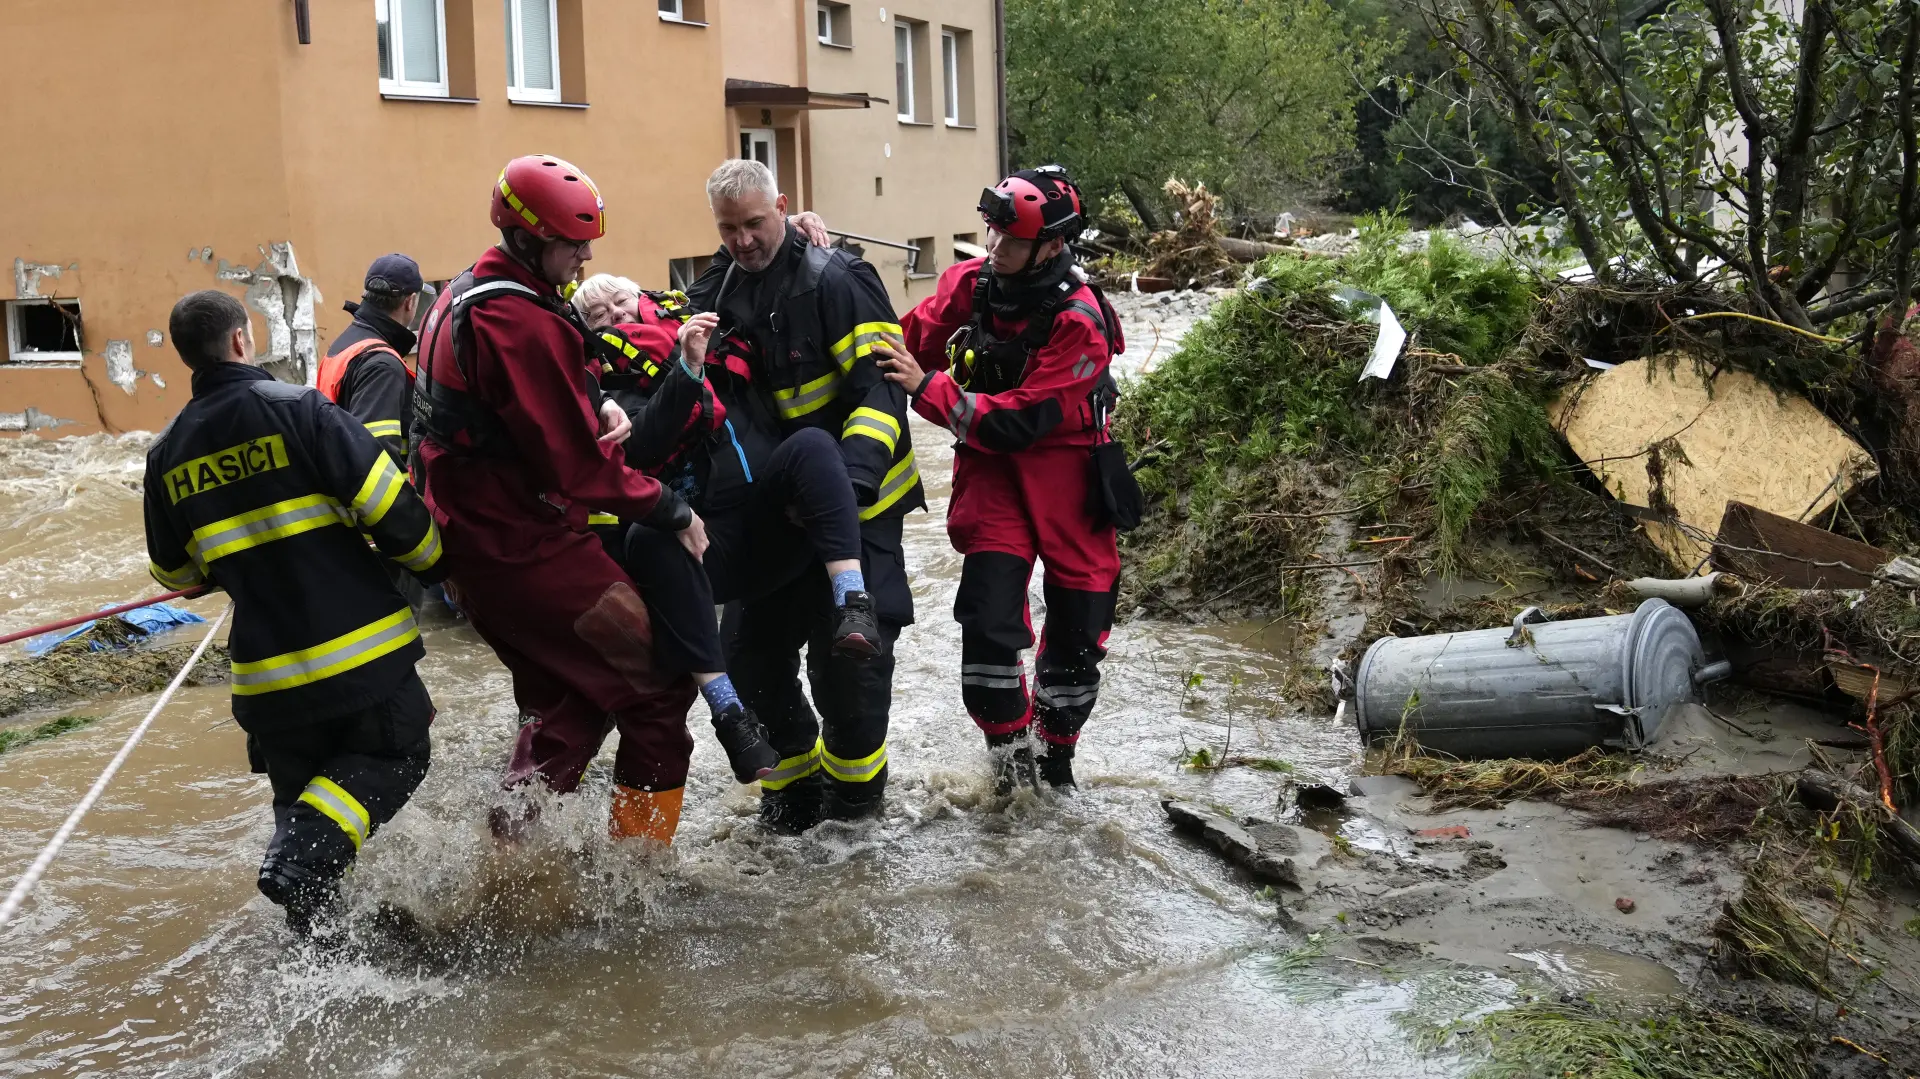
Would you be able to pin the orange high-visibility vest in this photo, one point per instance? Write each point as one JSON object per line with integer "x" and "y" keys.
{"x": 334, "y": 368}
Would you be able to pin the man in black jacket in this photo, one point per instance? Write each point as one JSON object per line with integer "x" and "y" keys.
{"x": 364, "y": 370}
{"x": 794, "y": 347}
{"x": 264, "y": 489}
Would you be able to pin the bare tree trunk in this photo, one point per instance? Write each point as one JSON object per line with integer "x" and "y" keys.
{"x": 1909, "y": 172}
{"x": 1142, "y": 205}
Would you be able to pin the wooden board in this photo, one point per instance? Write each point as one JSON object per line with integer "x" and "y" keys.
{"x": 1735, "y": 440}
{"x": 1800, "y": 556}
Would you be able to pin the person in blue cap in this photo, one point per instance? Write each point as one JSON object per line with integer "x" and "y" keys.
{"x": 364, "y": 371}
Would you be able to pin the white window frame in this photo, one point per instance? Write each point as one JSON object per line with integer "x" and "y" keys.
{"x": 903, "y": 88}
{"x": 516, "y": 53}
{"x": 824, "y": 10}
{"x": 950, "y": 74}
{"x": 673, "y": 10}
{"x": 37, "y": 359}
{"x": 400, "y": 86}
{"x": 750, "y": 135}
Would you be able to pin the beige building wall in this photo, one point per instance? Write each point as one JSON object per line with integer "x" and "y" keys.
{"x": 890, "y": 178}
{"x": 197, "y": 143}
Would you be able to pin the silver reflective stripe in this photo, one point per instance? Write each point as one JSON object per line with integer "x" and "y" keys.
{"x": 874, "y": 427}
{"x": 899, "y": 481}
{"x": 428, "y": 555}
{"x": 333, "y": 657}
{"x": 352, "y": 819}
{"x": 985, "y": 682}
{"x": 385, "y": 489}
{"x": 992, "y": 675}
{"x": 852, "y": 772}
{"x": 989, "y": 668}
{"x": 793, "y": 768}
{"x": 226, "y": 537}
{"x": 845, "y": 357}
{"x": 1085, "y": 368}
{"x": 800, "y": 404}
{"x": 1068, "y": 696}
{"x": 960, "y": 416}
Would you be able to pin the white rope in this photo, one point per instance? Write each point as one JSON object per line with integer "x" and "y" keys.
{"x": 40, "y": 864}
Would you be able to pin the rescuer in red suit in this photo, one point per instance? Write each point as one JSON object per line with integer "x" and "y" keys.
{"x": 1018, "y": 345}
{"x": 506, "y": 424}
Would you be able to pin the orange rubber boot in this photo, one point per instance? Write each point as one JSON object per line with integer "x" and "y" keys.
{"x": 651, "y": 815}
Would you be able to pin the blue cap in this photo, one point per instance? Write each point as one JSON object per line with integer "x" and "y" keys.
{"x": 394, "y": 274}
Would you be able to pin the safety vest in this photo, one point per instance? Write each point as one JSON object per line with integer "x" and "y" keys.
{"x": 333, "y": 369}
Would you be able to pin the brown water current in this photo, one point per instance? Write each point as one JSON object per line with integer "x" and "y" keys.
{"x": 959, "y": 935}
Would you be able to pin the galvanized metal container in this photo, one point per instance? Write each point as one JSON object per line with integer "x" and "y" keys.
{"x": 1538, "y": 689}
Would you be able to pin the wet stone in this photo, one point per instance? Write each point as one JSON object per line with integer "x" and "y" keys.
{"x": 1238, "y": 844}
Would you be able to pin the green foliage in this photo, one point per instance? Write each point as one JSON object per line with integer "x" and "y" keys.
{"x": 1245, "y": 95}
{"x": 16, "y": 737}
{"x": 1269, "y": 383}
{"x": 1543, "y": 1040}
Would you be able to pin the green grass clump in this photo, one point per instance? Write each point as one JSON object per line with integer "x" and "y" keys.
{"x": 15, "y": 737}
{"x": 1261, "y": 412}
{"x": 1545, "y": 1040}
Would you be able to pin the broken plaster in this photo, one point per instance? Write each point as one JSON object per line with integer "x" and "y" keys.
{"x": 120, "y": 370}
{"x": 287, "y": 301}
{"x": 31, "y": 420}
{"x": 28, "y": 275}
{"x": 155, "y": 338}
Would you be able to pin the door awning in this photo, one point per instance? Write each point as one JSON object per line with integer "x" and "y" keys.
{"x": 773, "y": 95}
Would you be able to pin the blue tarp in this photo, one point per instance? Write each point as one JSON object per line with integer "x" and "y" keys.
{"x": 147, "y": 621}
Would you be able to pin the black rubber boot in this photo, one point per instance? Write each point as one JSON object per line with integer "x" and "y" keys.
{"x": 858, "y": 634}
{"x": 1012, "y": 762}
{"x": 1056, "y": 768}
{"x": 793, "y": 808}
{"x": 745, "y": 741}
{"x": 853, "y": 801}
{"x": 310, "y": 902}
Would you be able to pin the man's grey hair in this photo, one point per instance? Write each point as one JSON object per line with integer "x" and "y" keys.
{"x": 738, "y": 178}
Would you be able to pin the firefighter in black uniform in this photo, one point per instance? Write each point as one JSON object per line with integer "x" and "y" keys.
{"x": 796, "y": 332}
{"x": 364, "y": 370}
{"x": 264, "y": 489}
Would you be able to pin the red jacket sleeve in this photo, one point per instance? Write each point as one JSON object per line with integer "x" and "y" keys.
{"x": 542, "y": 396}
{"x": 1052, "y": 398}
{"x": 928, "y": 325}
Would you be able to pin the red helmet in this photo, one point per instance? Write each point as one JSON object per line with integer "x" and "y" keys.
{"x": 1035, "y": 204}
{"x": 549, "y": 198}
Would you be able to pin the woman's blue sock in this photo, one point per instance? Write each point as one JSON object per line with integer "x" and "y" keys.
{"x": 720, "y": 694}
{"x": 847, "y": 580}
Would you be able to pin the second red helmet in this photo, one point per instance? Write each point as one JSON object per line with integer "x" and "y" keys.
{"x": 1035, "y": 204}
{"x": 549, "y": 198}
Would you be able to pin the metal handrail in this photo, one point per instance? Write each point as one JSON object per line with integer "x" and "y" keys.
{"x": 912, "y": 250}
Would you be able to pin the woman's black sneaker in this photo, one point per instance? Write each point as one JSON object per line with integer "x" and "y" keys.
{"x": 858, "y": 634}
{"x": 745, "y": 741}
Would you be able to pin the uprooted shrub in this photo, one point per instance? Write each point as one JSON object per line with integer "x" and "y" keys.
{"x": 1260, "y": 422}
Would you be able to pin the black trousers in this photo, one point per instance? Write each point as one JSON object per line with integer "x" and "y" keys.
{"x": 753, "y": 550}
{"x": 995, "y": 625}
{"x": 847, "y": 740}
{"x": 336, "y": 782}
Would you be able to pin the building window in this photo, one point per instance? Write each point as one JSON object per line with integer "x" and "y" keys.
{"x": 682, "y": 273}
{"x": 956, "y": 69}
{"x": 44, "y": 331}
{"x": 533, "y": 50}
{"x": 834, "y": 24}
{"x": 903, "y": 68}
{"x": 966, "y": 245}
{"x": 921, "y": 261}
{"x": 413, "y": 47}
{"x": 688, "y": 11}
{"x": 757, "y": 144}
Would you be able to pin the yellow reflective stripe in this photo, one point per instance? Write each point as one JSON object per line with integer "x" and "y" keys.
{"x": 185, "y": 577}
{"x": 796, "y": 401}
{"x": 792, "y": 768}
{"x": 874, "y": 424}
{"x": 900, "y": 479}
{"x": 384, "y": 428}
{"x": 264, "y": 525}
{"x": 860, "y": 342}
{"x": 344, "y": 809}
{"x": 377, "y": 494}
{"x": 602, "y": 519}
{"x": 856, "y": 770}
{"x": 513, "y": 200}
{"x": 426, "y": 553}
{"x": 324, "y": 660}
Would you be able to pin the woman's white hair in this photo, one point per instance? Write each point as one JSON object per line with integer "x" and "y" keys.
{"x": 596, "y": 293}
{"x": 740, "y": 177}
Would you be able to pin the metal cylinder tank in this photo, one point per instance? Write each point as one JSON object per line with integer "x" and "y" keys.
{"x": 1538, "y": 689}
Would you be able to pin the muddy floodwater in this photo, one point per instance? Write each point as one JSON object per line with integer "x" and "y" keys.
{"x": 960, "y": 935}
